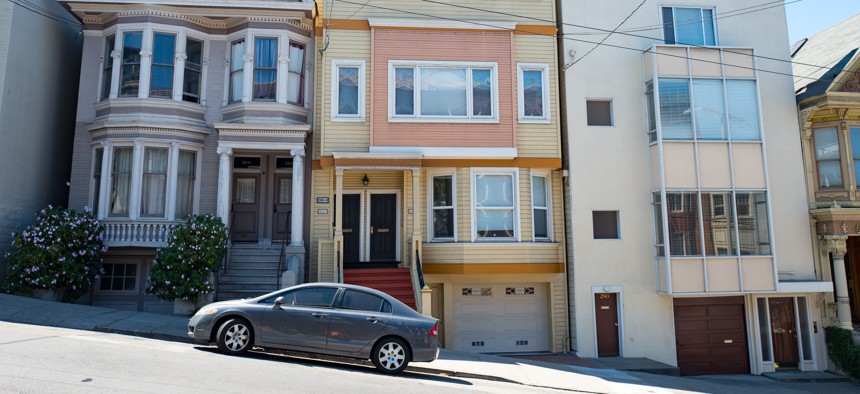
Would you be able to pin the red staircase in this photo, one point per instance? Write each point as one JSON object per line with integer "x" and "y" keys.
{"x": 396, "y": 282}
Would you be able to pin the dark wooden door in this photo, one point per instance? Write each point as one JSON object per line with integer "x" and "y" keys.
{"x": 606, "y": 315}
{"x": 852, "y": 271}
{"x": 783, "y": 329}
{"x": 437, "y": 303}
{"x": 710, "y": 335}
{"x": 351, "y": 228}
{"x": 246, "y": 207}
{"x": 383, "y": 227}
{"x": 283, "y": 206}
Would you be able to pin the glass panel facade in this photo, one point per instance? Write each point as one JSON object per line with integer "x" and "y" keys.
{"x": 675, "y": 109}
{"x": 683, "y": 217}
{"x": 752, "y": 219}
{"x": 743, "y": 110}
{"x": 718, "y": 219}
{"x": 710, "y": 114}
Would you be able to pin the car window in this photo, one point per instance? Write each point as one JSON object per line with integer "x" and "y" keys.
{"x": 361, "y": 301}
{"x": 271, "y": 299}
{"x": 311, "y": 296}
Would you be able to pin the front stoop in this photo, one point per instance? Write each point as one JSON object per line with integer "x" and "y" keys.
{"x": 396, "y": 282}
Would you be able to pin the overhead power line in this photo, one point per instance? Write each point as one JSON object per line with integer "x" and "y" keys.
{"x": 608, "y": 35}
{"x": 39, "y": 10}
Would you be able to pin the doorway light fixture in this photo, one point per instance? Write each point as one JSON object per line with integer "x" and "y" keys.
{"x": 365, "y": 181}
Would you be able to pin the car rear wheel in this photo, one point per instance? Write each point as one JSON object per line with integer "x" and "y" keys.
{"x": 235, "y": 337}
{"x": 390, "y": 355}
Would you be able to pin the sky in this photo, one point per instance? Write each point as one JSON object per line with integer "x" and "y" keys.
{"x": 807, "y": 17}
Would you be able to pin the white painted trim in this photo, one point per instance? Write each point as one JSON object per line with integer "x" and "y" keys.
{"x": 417, "y": 66}
{"x": 547, "y": 175}
{"x": 544, "y": 69}
{"x": 431, "y": 173}
{"x": 449, "y": 152}
{"x": 335, "y": 95}
{"x": 515, "y": 172}
{"x": 376, "y": 155}
{"x": 259, "y": 145}
{"x": 441, "y": 24}
{"x": 365, "y": 255}
{"x": 617, "y": 289}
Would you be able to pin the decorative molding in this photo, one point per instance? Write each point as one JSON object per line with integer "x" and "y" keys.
{"x": 224, "y": 151}
{"x": 180, "y": 56}
{"x": 113, "y": 12}
{"x": 100, "y": 130}
{"x": 283, "y": 59}
{"x": 836, "y": 244}
{"x": 248, "y": 58}
{"x": 145, "y": 53}
{"x": 852, "y": 83}
{"x": 116, "y": 54}
{"x": 300, "y": 152}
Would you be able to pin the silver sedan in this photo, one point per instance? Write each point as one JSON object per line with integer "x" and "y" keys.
{"x": 327, "y": 318}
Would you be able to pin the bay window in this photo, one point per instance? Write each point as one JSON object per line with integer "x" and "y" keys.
{"x": 443, "y": 90}
{"x": 97, "y": 178}
{"x": 265, "y": 69}
{"x": 494, "y": 204}
{"x": 132, "y": 43}
{"x": 237, "y": 70}
{"x": 266, "y": 66}
{"x": 191, "y": 81}
{"x": 185, "y": 178}
{"x": 107, "y": 66}
{"x": 296, "y": 76}
{"x": 442, "y": 195}
{"x": 163, "y": 54}
{"x": 827, "y": 157}
{"x": 154, "y": 189}
{"x": 707, "y": 109}
{"x": 120, "y": 181}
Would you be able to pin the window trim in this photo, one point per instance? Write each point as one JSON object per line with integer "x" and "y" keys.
{"x": 515, "y": 173}
{"x": 714, "y": 18}
{"x": 521, "y": 117}
{"x": 430, "y": 174}
{"x": 137, "y": 279}
{"x": 817, "y": 175}
{"x": 254, "y": 68}
{"x": 611, "y": 102}
{"x": 547, "y": 175}
{"x": 362, "y": 93}
{"x": 417, "y": 65}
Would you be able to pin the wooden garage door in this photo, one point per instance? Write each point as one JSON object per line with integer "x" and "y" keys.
{"x": 710, "y": 336}
{"x": 494, "y": 318}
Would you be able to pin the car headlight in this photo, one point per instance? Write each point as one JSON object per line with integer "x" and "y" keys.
{"x": 207, "y": 311}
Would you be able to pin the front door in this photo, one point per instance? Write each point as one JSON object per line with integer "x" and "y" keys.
{"x": 606, "y": 318}
{"x": 383, "y": 227}
{"x": 281, "y": 219}
{"x": 351, "y": 228}
{"x": 783, "y": 329}
{"x": 246, "y": 207}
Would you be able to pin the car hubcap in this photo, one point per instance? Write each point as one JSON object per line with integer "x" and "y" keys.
{"x": 237, "y": 337}
{"x": 391, "y": 355}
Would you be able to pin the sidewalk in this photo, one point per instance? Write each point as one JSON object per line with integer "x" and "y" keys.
{"x": 567, "y": 373}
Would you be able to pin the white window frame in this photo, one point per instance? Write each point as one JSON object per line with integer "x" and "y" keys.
{"x": 430, "y": 175}
{"x": 547, "y": 175}
{"x": 515, "y": 173}
{"x": 675, "y": 18}
{"x": 544, "y": 69}
{"x": 417, "y": 66}
{"x": 335, "y": 98}
{"x": 284, "y": 38}
{"x": 136, "y": 182}
{"x": 148, "y": 30}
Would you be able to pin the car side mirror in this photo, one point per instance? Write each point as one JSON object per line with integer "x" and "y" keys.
{"x": 278, "y": 302}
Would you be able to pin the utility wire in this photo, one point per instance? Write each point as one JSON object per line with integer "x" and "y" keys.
{"x": 36, "y": 9}
{"x": 571, "y": 39}
{"x": 607, "y": 36}
{"x": 353, "y": 14}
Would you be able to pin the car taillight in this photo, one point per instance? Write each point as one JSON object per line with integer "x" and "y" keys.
{"x": 435, "y": 330}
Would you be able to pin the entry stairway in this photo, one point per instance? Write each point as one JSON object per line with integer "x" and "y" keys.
{"x": 396, "y": 282}
{"x": 251, "y": 271}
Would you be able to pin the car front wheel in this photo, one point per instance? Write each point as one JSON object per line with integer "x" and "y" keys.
{"x": 390, "y": 355}
{"x": 235, "y": 337}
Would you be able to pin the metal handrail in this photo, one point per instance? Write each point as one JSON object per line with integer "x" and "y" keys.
{"x": 281, "y": 260}
{"x": 225, "y": 258}
{"x": 419, "y": 269}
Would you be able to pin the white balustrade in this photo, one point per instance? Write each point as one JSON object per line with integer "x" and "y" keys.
{"x": 137, "y": 233}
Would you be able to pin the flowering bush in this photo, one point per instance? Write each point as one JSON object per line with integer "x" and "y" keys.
{"x": 181, "y": 270}
{"x": 62, "y": 251}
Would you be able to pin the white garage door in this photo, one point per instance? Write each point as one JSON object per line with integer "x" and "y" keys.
{"x": 491, "y": 318}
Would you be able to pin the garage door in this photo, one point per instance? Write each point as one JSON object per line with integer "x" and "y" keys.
{"x": 710, "y": 336}
{"x": 494, "y": 318}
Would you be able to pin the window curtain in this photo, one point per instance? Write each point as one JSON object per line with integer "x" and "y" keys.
{"x": 443, "y": 91}
{"x": 161, "y": 80}
{"x": 743, "y": 110}
{"x": 494, "y": 206}
{"x": 347, "y": 91}
{"x": 121, "y": 185}
{"x": 265, "y": 68}
{"x": 675, "y": 118}
{"x": 246, "y": 190}
{"x": 237, "y": 64}
{"x": 186, "y": 174}
{"x": 154, "y": 190}
{"x": 296, "y": 74}
{"x": 710, "y": 113}
{"x": 533, "y": 93}
{"x": 404, "y": 91}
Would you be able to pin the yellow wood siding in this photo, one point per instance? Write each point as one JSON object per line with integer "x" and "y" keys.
{"x": 492, "y": 252}
{"x": 321, "y": 224}
{"x": 539, "y": 139}
{"x": 483, "y": 10}
{"x": 343, "y": 136}
{"x": 525, "y": 182}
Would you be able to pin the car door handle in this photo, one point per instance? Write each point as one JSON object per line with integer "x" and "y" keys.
{"x": 372, "y": 319}
{"x": 318, "y": 314}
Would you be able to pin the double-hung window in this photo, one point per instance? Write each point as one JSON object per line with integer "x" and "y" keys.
{"x": 154, "y": 189}
{"x": 689, "y": 26}
{"x": 186, "y": 176}
{"x": 163, "y": 54}
{"x": 265, "y": 69}
{"x": 827, "y": 157}
{"x": 443, "y": 91}
{"x": 191, "y": 81}
{"x": 494, "y": 205}
{"x": 442, "y": 194}
{"x": 708, "y": 109}
{"x": 540, "y": 207}
{"x": 97, "y": 177}
{"x": 107, "y": 66}
{"x": 347, "y": 90}
{"x": 132, "y": 43}
{"x": 237, "y": 70}
{"x": 296, "y": 74}
{"x": 533, "y": 92}
{"x": 120, "y": 192}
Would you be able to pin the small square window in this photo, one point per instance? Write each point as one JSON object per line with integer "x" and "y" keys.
{"x": 599, "y": 112}
{"x": 605, "y": 224}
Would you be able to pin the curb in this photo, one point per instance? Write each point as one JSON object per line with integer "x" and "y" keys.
{"x": 143, "y": 334}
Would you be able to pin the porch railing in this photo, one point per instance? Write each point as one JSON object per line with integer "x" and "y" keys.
{"x": 137, "y": 233}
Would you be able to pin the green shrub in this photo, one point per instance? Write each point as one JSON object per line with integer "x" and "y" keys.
{"x": 182, "y": 269}
{"x": 61, "y": 251}
{"x": 843, "y": 351}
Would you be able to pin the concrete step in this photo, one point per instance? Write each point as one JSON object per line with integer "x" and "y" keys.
{"x": 251, "y": 287}
{"x": 252, "y": 264}
{"x": 249, "y": 280}
{"x": 239, "y": 294}
{"x": 254, "y": 258}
